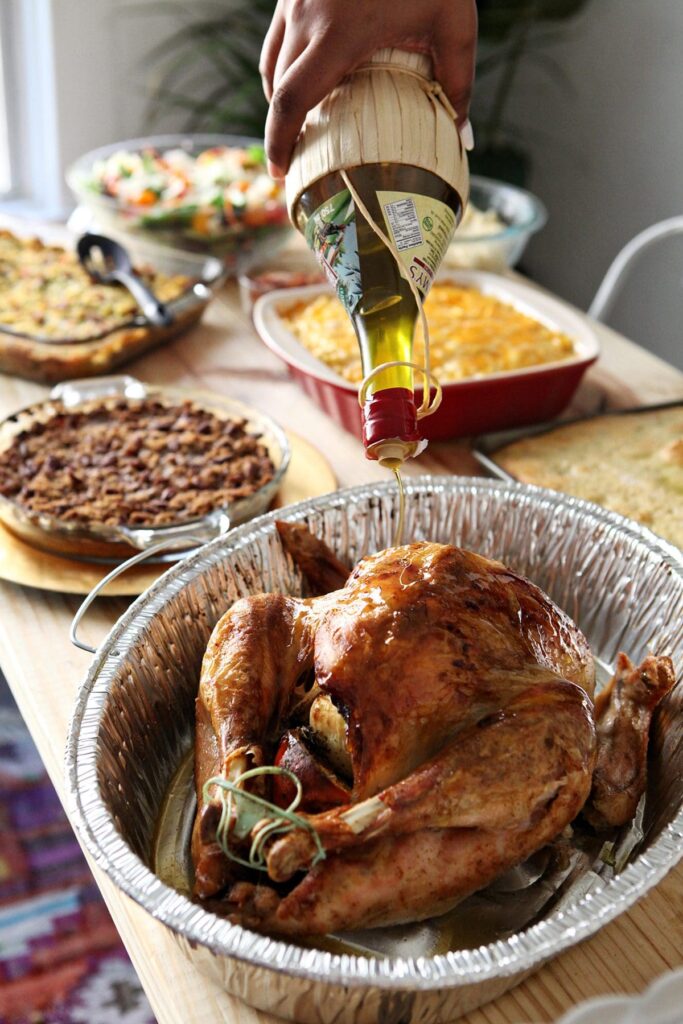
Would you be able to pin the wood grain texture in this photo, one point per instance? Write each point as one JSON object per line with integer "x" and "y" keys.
{"x": 44, "y": 671}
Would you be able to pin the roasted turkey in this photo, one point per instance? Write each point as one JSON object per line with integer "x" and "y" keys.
{"x": 437, "y": 709}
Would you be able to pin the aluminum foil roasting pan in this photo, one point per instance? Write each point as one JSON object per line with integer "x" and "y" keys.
{"x": 132, "y": 728}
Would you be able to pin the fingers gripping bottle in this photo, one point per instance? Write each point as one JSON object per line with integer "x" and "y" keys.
{"x": 377, "y": 185}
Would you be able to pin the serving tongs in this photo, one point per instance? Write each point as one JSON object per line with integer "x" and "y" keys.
{"x": 107, "y": 262}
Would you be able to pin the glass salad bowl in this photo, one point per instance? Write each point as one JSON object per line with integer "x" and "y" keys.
{"x": 209, "y": 194}
{"x": 496, "y": 227}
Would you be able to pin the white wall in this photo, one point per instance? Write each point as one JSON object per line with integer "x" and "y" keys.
{"x": 609, "y": 161}
{"x": 101, "y": 47}
{"x": 94, "y": 82}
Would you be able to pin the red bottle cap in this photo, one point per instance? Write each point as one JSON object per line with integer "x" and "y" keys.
{"x": 390, "y": 415}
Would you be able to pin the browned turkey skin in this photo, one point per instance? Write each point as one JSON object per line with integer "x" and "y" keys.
{"x": 437, "y": 705}
{"x": 623, "y": 714}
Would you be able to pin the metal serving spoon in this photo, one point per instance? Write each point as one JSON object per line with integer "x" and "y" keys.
{"x": 108, "y": 262}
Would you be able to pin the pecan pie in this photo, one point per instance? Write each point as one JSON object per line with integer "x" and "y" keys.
{"x": 133, "y": 462}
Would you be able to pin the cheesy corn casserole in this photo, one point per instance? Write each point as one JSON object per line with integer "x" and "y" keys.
{"x": 471, "y": 335}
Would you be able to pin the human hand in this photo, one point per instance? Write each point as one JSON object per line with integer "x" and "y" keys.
{"x": 312, "y": 44}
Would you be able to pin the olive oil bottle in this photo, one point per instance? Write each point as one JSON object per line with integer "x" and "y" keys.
{"x": 418, "y": 211}
{"x": 377, "y": 186}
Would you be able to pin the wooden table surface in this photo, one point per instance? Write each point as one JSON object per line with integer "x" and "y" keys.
{"x": 43, "y": 671}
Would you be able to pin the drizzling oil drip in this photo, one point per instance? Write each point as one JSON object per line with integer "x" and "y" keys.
{"x": 398, "y": 537}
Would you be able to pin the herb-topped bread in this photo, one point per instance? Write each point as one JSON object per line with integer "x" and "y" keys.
{"x": 632, "y": 464}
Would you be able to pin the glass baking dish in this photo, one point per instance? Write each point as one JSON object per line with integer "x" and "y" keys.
{"x": 204, "y": 274}
{"x": 100, "y": 542}
{"x": 51, "y": 360}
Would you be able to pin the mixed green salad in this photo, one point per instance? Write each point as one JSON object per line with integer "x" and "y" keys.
{"x": 219, "y": 191}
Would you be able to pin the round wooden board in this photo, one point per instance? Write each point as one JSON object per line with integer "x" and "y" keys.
{"x": 308, "y": 476}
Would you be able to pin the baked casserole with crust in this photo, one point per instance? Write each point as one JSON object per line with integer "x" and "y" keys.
{"x": 629, "y": 463}
{"x": 56, "y": 323}
{"x": 472, "y": 335}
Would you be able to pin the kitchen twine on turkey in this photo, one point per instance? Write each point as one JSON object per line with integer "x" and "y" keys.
{"x": 436, "y": 95}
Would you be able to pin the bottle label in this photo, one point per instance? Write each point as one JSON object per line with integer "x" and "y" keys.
{"x": 421, "y": 229}
{"x": 331, "y": 234}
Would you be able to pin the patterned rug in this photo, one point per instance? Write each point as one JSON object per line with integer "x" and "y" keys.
{"x": 61, "y": 960}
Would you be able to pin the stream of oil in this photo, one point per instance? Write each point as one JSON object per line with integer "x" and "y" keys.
{"x": 400, "y": 525}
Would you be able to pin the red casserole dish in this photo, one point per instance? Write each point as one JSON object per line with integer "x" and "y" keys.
{"x": 498, "y": 401}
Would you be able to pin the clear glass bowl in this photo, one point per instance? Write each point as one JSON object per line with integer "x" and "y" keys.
{"x": 237, "y": 244}
{"x": 99, "y": 542}
{"x": 522, "y": 214}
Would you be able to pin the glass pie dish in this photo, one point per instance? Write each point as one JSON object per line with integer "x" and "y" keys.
{"x": 102, "y": 542}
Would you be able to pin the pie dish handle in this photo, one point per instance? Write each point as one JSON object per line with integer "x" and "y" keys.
{"x": 73, "y": 392}
{"x": 167, "y": 544}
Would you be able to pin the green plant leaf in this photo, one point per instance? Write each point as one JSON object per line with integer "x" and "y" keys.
{"x": 207, "y": 68}
{"x": 491, "y": 62}
{"x": 498, "y": 19}
{"x": 553, "y": 69}
{"x": 211, "y": 57}
{"x": 506, "y": 161}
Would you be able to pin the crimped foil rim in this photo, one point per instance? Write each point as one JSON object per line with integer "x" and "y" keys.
{"x": 518, "y": 953}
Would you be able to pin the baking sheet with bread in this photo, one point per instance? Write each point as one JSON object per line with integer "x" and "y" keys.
{"x": 628, "y": 461}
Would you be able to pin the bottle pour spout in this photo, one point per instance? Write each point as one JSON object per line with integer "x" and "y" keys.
{"x": 390, "y": 430}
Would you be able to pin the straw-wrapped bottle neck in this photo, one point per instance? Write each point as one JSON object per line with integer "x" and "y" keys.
{"x": 417, "y": 65}
{"x": 389, "y": 110}
{"x": 392, "y": 58}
